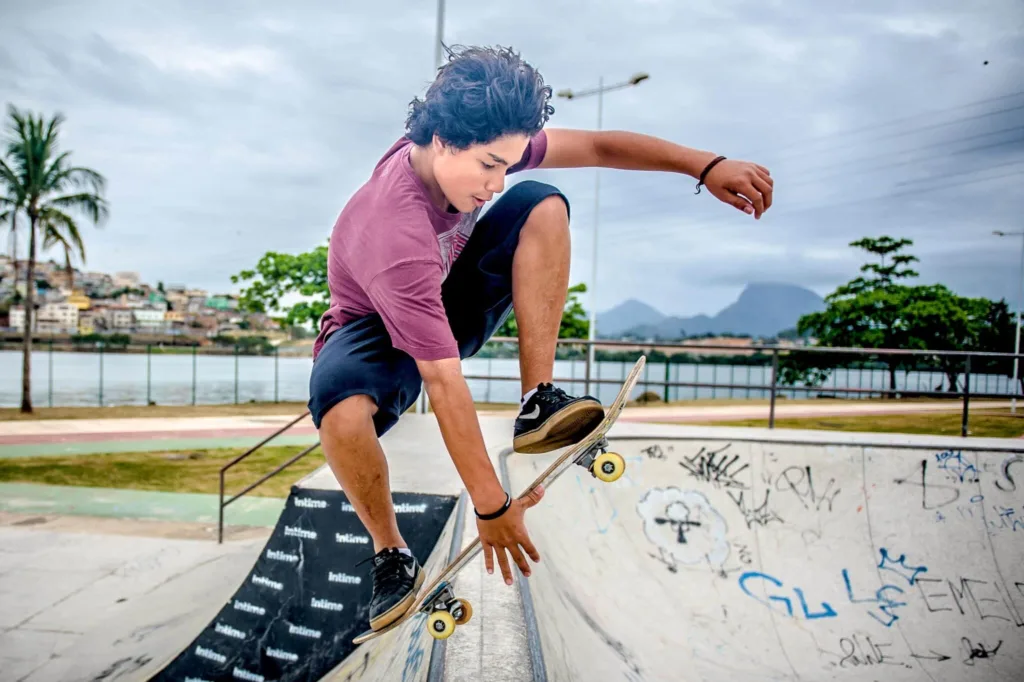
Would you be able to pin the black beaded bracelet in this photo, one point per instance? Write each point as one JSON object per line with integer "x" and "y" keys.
{"x": 707, "y": 169}
{"x": 494, "y": 515}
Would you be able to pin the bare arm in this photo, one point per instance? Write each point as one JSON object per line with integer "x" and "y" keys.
{"x": 456, "y": 415}
{"x": 745, "y": 185}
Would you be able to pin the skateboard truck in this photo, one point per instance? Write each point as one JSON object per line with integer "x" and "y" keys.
{"x": 444, "y": 611}
{"x": 604, "y": 465}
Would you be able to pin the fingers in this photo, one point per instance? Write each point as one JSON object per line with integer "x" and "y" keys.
{"x": 765, "y": 188}
{"x": 756, "y": 198}
{"x": 526, "y": 544}
{"x": 506, "y": 571}
{"x": 746, "y": 186}
{"x": 533, "y": 497}
{"x": 488, "y": 558}
{"x": 741, "y": 203}
{"x": 520, "y": 560}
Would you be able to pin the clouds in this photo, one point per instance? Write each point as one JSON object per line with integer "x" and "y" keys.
{"x": 228, "y": 131}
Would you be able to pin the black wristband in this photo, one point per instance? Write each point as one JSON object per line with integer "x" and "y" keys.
{"x": 494, "y": 515}
{"x": 707, "y": 169}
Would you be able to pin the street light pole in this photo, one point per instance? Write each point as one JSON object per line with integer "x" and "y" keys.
{"x": 439, "y": 37}
{"x": 599, "y": 91}
{"x": 592, "y": 328}
{"x": 1020, "y": 304}
{"x": 421, "y": 406}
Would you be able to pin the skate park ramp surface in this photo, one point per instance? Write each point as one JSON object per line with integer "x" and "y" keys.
{"x": 292, "y": 617}
{"x": 784, "y": 557}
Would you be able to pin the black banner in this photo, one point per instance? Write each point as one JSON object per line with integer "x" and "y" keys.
{"x": 295, "y": 615}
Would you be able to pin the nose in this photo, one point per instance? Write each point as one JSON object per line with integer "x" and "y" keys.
{"x": 495, "y": 184}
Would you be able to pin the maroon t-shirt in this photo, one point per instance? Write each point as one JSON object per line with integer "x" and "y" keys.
{"x": 390, "y": 250}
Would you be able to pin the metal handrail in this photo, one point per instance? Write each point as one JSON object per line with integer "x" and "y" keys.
{"x": 222, "y": 503}
{"x": 773, "y": 387}
{"x": 766, "y": 347}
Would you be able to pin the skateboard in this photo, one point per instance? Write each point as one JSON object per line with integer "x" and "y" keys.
{"x": 437, "y": 599}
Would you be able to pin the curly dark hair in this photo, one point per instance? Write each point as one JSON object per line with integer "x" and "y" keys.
{"x": 479, "y": 95}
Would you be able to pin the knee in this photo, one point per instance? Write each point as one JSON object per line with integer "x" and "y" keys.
{"x": 351, "y": 414}
{"x": 551, "y": 212}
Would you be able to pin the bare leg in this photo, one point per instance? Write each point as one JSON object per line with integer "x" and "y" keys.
{"x": 357, "y": 460}
{"x": 540, "y": 278}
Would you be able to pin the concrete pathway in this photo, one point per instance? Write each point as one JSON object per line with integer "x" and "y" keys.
{"x": 30, "y": 498}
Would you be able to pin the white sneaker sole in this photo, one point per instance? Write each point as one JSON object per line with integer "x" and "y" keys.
{"x": 565, "y": 427}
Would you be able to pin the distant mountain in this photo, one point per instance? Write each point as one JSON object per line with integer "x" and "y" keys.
{"x": 763, "y": 309}
{"x": 627, "y": 315}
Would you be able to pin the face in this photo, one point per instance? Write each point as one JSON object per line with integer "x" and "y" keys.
{"x": 469, "y": 178}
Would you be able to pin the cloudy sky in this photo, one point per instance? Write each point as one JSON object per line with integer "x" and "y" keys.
{"x": 226, "y": 132}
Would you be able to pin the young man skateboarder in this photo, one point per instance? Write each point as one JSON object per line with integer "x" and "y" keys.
{"x": 417, "y": 282}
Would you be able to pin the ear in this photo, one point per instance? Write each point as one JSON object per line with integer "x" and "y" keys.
{"x": 438, "y": 145}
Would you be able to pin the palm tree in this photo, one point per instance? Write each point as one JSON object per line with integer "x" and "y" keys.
{"x": 50, "y": 185}
{"x": 69, "y": 240}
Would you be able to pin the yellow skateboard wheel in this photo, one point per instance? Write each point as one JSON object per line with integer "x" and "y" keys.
{"x": 609, "y": 466}
{"x": 467, "y": 612}
{"x": 441, "y": 625}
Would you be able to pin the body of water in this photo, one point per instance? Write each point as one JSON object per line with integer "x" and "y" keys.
{"x": 92, "y": 379}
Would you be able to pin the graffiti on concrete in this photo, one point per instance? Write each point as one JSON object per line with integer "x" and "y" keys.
{"x": 684, "y": 527}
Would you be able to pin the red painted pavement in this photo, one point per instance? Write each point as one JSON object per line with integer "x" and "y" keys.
{"x": 257, "y": 432}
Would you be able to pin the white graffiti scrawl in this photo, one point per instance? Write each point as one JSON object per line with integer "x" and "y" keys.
{"x": 684, "y": 527}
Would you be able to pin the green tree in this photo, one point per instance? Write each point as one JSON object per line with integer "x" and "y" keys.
{"x": 52, "y": 190}
{"x": 998, "y": 335}
{"x": 574, "y": 325}
{"x": 278, "y": 274}
{"x": 935, "y": 318}
{"x": 875, "y": 311}
{"x": 883, "y": 274}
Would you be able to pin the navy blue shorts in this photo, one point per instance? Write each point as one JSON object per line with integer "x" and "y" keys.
{"x": 358, "y": 359}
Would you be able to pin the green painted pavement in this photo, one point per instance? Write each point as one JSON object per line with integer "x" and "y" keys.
{"x": 147, "y": 445}
{"x": 30, "y": 498}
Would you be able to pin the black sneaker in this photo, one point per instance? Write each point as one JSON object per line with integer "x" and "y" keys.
{"x": 396, "y": 579}
{"x": 551, "y": 419}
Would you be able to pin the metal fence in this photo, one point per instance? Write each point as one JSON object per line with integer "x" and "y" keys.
{"x": 101, "y": 375}
{"x": 144, "y": 375}
{"x": 960, "y": 371}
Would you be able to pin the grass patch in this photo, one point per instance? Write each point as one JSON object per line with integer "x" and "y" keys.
{"x": 982, "y": 424}
{"x": 186, "y": 471}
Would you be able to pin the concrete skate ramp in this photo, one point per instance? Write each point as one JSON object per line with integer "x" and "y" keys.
{"x": 287, "y": 611}
{"x": 718, "y": 559}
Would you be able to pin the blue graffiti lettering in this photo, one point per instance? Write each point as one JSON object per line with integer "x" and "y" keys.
{"x": 885, "y": 603}
{"x": 953, "y": 462}
{"x": 826, "y": 610}
{"x": 899, "y": 566}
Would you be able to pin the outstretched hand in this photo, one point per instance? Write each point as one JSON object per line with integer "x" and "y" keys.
{"x": 745, "y": 185}
{"x": 508, "y": 532}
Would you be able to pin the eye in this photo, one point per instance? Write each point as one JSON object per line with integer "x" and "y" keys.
{"x": 486, "y": 165}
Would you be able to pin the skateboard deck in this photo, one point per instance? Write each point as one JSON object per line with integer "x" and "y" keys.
{"x": 437, "y": 598}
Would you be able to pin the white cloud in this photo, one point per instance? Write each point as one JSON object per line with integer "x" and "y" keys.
{"x": 227, "y": 131}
